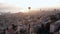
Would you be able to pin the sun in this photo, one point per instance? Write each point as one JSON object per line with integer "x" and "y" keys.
{"x": 23, "y": 10}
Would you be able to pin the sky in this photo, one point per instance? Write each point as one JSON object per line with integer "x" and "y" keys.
{"x": 31, "y": 3}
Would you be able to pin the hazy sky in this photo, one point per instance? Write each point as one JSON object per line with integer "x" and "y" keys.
{"x": 32, "y": 3}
